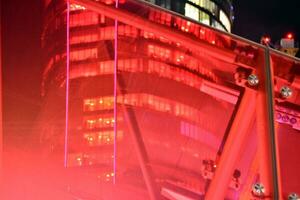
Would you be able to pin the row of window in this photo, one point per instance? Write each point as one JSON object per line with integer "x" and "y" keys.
{"x": 155, "y": 51}
{"x": 199, "y": 15}
{"x": 84, "y": 18}
{"x": 107, "y": 33}
{"x": 102, "y": 137}
{"x": 152, "y": 102}
{"x": 101, "y": 103}
{"x": 103, "y": 33}
{"x": 190, "y": 27}
{"x": 144, "y": 66}
{"x": 84, "y": 54}
{"x": 86, "y": 159}
{"x": 74, "y": 7}
{"x": 206, "y": 4}
{"x": 98, "y": 122}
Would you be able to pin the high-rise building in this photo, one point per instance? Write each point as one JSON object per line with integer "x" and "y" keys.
{"x": 218, "y": 14}
{"x": 163, "y": 105}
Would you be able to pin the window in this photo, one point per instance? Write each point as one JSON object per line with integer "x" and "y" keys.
{"x": 217, "y": 25}
{"x": 84, "y": 38}
{"x": 83, "y": 54}
{"x": 204, "y": 18}
{"x": 102, "y": 137}
{"x": 83, "y": 19}
{"x": 74, "y": 7}
{"x": 225, "y": 21}
{"x": 191, "y": 11}
{"x": 165, "y": 3}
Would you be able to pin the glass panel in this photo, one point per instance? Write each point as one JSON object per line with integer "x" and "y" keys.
{"x": 287, "y": 120}
{"x": 157, "y": 107}
{"x": 191, "y": 11}
{"x": 225, "y": 20}
{"x": 180, "y": 104}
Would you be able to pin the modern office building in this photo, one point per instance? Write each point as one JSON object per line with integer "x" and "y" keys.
{"x": 162, "y": 105}
{"x": 215, "y": 13}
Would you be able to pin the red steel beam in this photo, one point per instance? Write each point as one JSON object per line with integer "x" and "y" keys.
{"x": 234, "y": 146}
{"x": 252, "y": 173}
{"x": 161, "y": 30}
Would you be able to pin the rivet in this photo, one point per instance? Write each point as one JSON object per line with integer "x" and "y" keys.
{"x": 258, "y": 189}
{"x": 293, "y": 196}
{"x": 253, "y": 80}
{"x": 286, "y": 92}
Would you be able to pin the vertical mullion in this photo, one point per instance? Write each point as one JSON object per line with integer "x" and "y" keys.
{"x": 67, "y": 85}
{"x": 115, "y": 95}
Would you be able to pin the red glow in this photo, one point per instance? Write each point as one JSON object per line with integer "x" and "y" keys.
{"x": 289, "y": 36}
{"x": 266, "y": 40}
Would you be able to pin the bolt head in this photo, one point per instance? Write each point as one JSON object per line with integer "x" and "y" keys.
{"x": 253, "y": 80}
{"x": 293, "y": 196}
{"x": 258, "y": 189}
{"x": 286, "y": 92}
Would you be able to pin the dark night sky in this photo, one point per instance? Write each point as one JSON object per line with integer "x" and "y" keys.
{"x": 275, "y": 18}
{"x": 22, "y": 55}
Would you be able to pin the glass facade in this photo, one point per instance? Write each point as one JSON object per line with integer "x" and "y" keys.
{"x": 141, "y": 103}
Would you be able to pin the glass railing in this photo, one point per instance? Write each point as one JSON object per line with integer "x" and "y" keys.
{"x": 147, "y": 104}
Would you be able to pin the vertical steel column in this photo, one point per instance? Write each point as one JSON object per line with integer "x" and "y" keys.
{"x": 269, "y": 166}
{"x": 234, "y": 145}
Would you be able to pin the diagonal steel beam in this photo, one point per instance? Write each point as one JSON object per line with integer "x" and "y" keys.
{"x": 234, "y": 145}
{"x": 134, "y": 130}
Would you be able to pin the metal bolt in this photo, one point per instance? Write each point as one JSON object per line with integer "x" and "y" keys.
{"x": 258, "y": 189}
{"x": 293, "y": 196}
{"x": 286, "y": 92}
{"x": 253, "y": 80}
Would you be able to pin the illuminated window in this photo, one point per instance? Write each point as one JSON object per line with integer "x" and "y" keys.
{"x": 107, "y": 33}
{"x": 74, "y": 7}
{"x": 191, "y": 11}
{"x": 208, "y": 5}
{"x": 83, "y": 19}
{"x": 84, "y": 38}
{"x": 148, "y": 66}
{"x": 103, "y": 103}
{"x": 217, "y": 25}
{"x": 99, "y": 121}
{"x": 160, "y": 17}
{"x": 204, "y": 18}
{"x": 128, "y": 31}
{"x": 138, "y": 100}
{"x": 225, "y": 21}
{"x": 84, "y": 54}
{"x": 102, "y": 137}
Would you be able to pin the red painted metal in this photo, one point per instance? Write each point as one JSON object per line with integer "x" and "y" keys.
{"x": 239, "y": 131}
